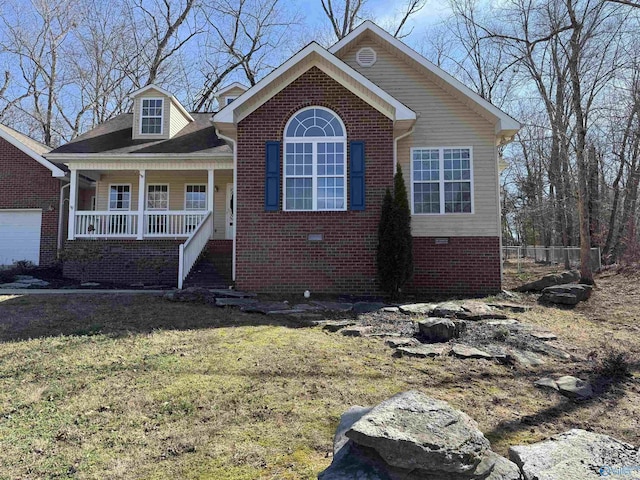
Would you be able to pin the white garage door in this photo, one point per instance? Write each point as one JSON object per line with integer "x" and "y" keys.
{"x": 20, "y": 236}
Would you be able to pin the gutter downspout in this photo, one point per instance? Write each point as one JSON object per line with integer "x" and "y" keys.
{"x": 235, "y": 195}
{"x": 395, "y": 148}
{"x": 61, "y": 216}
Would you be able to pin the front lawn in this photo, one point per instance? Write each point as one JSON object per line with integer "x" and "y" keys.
{"x": 137, "y": 387}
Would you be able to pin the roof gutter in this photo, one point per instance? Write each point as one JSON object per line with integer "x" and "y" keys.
{"x": 395, "y": 147}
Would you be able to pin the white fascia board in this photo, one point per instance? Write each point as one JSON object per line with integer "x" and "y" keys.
{"x": 505, "y": 122}
{"x": 173, "y": 99}
{"x": 226, "y": 115}
{"x": 133, "y": 157}
{"x": 55, "y": 171}
{"x": 222, "y": 91}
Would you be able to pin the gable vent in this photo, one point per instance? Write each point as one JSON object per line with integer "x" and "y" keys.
{"x": 366, "y": 57}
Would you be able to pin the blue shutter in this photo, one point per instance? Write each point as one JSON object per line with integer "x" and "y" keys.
{"x": 356, "y": 168}
{"x": 272, "y": 178}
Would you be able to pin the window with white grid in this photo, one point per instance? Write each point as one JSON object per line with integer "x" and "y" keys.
{"x": 119, "y": 197}
{"x": 442, "y": 180}
{"x": 195, "y": 197}
{"x": 151, "y": 116}
{"x": 315, "y": 161}
{"x": 157, "y": 197}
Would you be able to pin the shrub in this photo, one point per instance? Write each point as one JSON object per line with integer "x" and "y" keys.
{"x": 395, "y": 245}
{"x": 615, "y": 364}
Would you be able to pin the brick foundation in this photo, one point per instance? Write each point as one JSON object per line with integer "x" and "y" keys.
{"x": 465, "y": 266}
{"x": 273, "y": 253}
{"x": 24, "y": 183}
{"x": 124, "y": 261}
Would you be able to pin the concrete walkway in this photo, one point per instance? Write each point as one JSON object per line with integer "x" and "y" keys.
{"x": 70, "y": 291}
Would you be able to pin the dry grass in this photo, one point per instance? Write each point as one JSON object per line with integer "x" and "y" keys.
{"x": 137, "y": 387}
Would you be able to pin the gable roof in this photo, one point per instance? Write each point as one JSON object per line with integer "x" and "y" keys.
{"x": 114, "y": 138}
{"x": 30, "y": 147}
{"x": 323, "y": 60}
{"x": 506, "y": 124}
{"x": 166, "y": 93}
{"x": 224, "y": 90}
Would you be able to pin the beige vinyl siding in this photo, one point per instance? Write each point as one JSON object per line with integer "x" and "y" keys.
{"x": 177, "y": 120}
{"x": 443, "y": 121}
{"x": 234, "y": 92}
{"x": 177, "y": 182}
{"x": 137, "y": 112}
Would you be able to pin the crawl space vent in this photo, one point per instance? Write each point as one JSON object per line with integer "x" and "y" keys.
{"x": 366, "y": 57}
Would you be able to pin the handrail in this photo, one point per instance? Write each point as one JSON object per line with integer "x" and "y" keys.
{"x": 191, "y": 249}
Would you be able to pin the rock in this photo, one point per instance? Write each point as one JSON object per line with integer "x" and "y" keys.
{"x": 355, "y": 331}
{"x": 576, "y": 454}
{"x": 544, "y": 336}
{"x": 334, "y": 306}
{"x": 411, "y": 430}
{"x": 413, "y": 437}
{"x": 513, "y": 307}
{"x": 421, "y": 351}
{"x": 90, "y": 284}
{"x": 235, "y": 302}
{"x": 550, "y": 350}
{"x": 464, "y": 351}
{"x": 435, "y": 330}
{"x": 569, "y": 386}
{"x": 306, "y": 307}
{"x": 527, "y": 359}
{"x": 448, "y": 309}
{"x": 265, "y": 308}
{"x": 367, "y": 307}
{"x": 569, "y": 294}
{"x": 421, "y": 308}
{"x": 335, "y": 325}
{"x": 549, "y": 280}
{"x": 401, "y": 342}
{"x": 391, "y": 309}
{"x": 15, "y": 285}
{"x": 219, "y": 292}
{"x": 475, "y": 310}
{"x": 508, "y": 321}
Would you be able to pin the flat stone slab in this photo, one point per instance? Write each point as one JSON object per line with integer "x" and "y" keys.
{"x": 266, "y": 307}
{"x": 420, "y": 308}
{"x": 567, "y": 385}
{"x": 235, "y": 302}
{"x": 475, "y": 310}
{"x": 528, "y": 359}
{"x": 464, "y": 351}
{"x": 231, "y": 293}
{"x": 335, "y": 325}
{"x": 395, "y": 342}
{"x": 355, "y": 331}
{"x": 513, "y": 307}
{"x": 421, "y": 351}
{"x": 367, "y": 307}
{"x": 544, "y": 336}
{"x": 391, "y": 309}
{"x": 577, "y": 454}
{"x": 93, "y": 284}
{"x": 306, "y": 307}
{"x": 334, "y": 306}
{"x": 448, "y": 309}
{"x": 508, "y": 321}
{"x": 15, "y": 285}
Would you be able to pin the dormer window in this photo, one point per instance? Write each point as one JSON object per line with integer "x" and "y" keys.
{"x": 228, "y": 100}
{"x": 151, "y": 116}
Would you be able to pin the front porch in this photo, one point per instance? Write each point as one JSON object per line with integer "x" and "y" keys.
{"x": 148, "y": 225}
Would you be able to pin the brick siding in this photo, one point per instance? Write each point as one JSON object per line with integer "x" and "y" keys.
{"x": 124, "y": 261}
{"x": 465, "y": 266}
{"x": 24, "y": 183}
{"x": 273, "y": 251}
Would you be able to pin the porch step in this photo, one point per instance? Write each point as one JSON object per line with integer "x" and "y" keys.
{"x": 207, "y": 273}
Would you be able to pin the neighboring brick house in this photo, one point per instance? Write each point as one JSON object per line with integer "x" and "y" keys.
{"x": 29, "y": 200}
{"x": 288, "y": 177}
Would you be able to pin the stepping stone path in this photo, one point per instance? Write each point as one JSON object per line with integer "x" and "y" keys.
{"x": 334, "y": 306}
{"x": 422, "y": 351}
{"x": 24, "y": 281}
{"x": 401, "y": 342}
{"x": 569, "y": 386}
{"x": 235, "y": 302}
{"x": 419, "y": 308}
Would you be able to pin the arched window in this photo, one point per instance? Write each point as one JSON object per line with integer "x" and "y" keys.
{"x": 315, "y": 167}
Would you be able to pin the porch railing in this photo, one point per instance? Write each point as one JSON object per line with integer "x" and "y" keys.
{"x": 106, "y": 224}
{"x": 124, "y": 224}
{"x": 192, "y": 248}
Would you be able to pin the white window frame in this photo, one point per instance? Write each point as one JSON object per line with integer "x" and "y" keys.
{"x": 205, "y": 199}
{"x": 314, "y": 158}
{"x": 130, "y": 197}
{"x": 146, "y": 199}
{"x": 142, "y": 100}
{"x": 442, "y": 181}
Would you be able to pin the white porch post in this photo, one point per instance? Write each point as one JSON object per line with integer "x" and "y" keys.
{"x": 141, "y": 197}
{"x": 73, "y": 196}
{"x": 210, "y": 195}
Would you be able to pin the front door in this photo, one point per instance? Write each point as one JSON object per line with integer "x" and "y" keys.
{"x": 230, "y": 216}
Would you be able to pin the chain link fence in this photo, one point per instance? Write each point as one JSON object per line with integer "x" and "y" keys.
{"x": 550, "y": 255}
